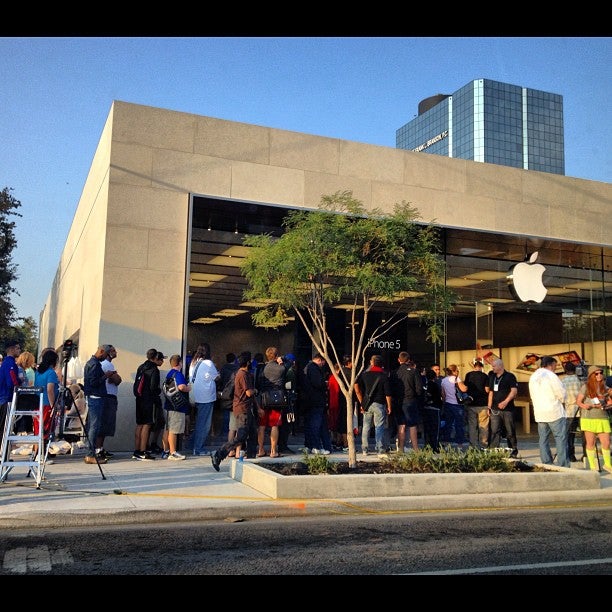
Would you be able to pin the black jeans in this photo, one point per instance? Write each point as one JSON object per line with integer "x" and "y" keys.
{"x": 505, "y": 418}
{"x": 243, "y": 433}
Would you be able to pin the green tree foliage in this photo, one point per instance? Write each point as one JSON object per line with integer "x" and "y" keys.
{"x": 8, "y": 270}
{"x": 343, "y": 253}
{"x": 26, "y": 331}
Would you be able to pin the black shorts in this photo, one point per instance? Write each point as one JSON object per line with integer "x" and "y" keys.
{"x": 408, "y": 414}
{"x": 144, "y": 412}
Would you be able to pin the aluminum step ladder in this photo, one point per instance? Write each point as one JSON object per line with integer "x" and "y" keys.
{"x": 27, "y": 401}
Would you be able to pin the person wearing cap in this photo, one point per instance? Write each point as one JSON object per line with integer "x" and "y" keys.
{"x": 9, "y": 379}
{"x": 548, "y": 398}
{"x": 109, "y": 417}
{"x": 477, "y": 412}
{"x": 145, "y": 405}
{"x": 159, "y": 415}
{"x": 595, "y": 403}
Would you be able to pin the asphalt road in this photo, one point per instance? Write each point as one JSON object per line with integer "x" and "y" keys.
{"x": 522, "y": 542}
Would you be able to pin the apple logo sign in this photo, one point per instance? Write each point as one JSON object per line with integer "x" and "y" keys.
{"x": 525, "y": 280}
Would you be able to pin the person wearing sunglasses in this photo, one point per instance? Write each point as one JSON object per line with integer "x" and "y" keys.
{"x": 595, "y": 403}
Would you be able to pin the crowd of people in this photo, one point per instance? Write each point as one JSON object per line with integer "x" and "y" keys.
{"x": 273, "y": 397}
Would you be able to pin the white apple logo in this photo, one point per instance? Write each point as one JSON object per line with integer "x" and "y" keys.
{"x": 525, "y": 280}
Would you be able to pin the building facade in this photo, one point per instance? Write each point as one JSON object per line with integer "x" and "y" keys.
{"x": 492, "y": 122}
{"x": 152, "y": 258}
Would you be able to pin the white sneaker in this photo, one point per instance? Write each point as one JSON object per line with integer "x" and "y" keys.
{"x": 176, "y": 457}
{"x": 364, "y": 452}
{"x": 314, "y": 451}
{"x": 323, "y": 451}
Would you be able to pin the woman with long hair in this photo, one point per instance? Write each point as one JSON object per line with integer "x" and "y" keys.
{"x": 595, "y": 402}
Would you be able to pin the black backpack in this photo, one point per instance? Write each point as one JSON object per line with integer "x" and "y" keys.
{"x": 227, "y": 393}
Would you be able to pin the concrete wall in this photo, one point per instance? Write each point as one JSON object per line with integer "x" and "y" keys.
{"x": 121, "y": 277}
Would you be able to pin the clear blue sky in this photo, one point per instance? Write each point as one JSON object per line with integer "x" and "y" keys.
{"x": 57, "y": 92}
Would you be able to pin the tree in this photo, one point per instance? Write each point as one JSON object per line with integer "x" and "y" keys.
{"x": 26, "y": 331}
{"x": 8, "y": 270}
{"x": 364, "y": 259}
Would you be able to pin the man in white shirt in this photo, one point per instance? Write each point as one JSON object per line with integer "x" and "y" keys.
{"x": 548, "y": 396}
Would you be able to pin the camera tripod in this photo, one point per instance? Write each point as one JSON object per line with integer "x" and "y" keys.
{"x": 58, "y": 411}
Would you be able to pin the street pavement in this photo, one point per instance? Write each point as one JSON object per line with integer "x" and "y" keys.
{"x": 126, "y": 491}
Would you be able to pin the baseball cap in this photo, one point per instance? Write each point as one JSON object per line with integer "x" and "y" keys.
{"x": 477, "y": 362}
{"x": 290, "y": 356}
{"x": 107, "y": 347}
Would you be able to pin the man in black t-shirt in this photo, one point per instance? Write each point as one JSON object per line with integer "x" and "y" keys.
{"x": 502, "y": 389}
{"x": 477, "y": 412}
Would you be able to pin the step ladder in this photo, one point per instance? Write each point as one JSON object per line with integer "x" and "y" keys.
{"x": 27, "y": 401}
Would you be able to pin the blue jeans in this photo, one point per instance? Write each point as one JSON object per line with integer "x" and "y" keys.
{"x": 316, "y": 432}
{"x": 375, "y": 414}
{"x": 202, "y": 426}
{"x": 558, "y": 429}
{"x": 455, "y": 415}
{"x": 95, "y": 414}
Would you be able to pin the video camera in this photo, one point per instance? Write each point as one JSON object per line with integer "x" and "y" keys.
{"x": 67, "y": 349}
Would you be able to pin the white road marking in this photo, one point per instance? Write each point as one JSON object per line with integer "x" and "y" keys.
{"x": 505, "y": 568}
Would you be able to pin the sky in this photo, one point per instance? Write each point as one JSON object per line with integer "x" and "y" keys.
{"x": 56, "y": 93}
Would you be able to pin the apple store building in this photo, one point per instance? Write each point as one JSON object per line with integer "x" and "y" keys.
{"x": 153, "y": 255}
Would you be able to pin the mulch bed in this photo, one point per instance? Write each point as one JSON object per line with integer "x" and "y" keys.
{"x": 299, "y": 468}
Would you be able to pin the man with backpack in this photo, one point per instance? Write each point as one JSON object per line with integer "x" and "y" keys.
{"x": 176, "y": 407}
{"x": 146, "y": 389}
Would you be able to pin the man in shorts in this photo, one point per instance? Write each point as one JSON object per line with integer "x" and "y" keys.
{"x": 175, "y": 413}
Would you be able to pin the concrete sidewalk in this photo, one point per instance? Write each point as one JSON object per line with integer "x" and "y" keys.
{"x": 126, "y": 491}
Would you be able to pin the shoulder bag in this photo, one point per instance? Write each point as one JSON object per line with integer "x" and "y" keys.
{"x": 368, "y": 397}
{"x": 274, "y": 398}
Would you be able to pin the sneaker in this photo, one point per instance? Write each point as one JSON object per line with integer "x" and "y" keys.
{"x": 304, "y": 449}
{"x": 323, "y": 451}
{"x": 364, "y": 452}
{"x": 138, "y": 455}
{"x": 314, "y": 451}
{"x": 104, "y": 453}
{"x": 49, "y": 462}
{"x": 147, "y": 456}
{"x": 382, "y": 453}
{"x": 514, "y": 454}
{"x": 345, "y": 449}
{"x": 216, "y": 460}
{"x": 606, "y": 468}
{"x": 165, "y": 454}
{"x": 175, "y": 456}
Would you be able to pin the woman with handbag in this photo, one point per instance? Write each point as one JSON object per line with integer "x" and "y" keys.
{"x": 273, "y": 399}
{"x": 455, "y": 413}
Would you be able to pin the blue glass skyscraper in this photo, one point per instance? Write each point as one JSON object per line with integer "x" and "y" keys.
{"x": 491, "y": 122}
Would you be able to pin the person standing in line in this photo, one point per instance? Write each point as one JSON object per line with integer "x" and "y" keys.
{"x": 407, "y": 381}
{"x": 374, "y": 384}
{"x": 287, "y": 425}
{"x": 203, "y": 375}
{"x": 548, "y": 396}
{"x": 109, "y": 418}
{"x": 273, "y": 377}
{"x": 174, "y": 422}
{"x": 314, "y": 403}
{"x": 145, "y": 405}
{"x": 9, "y": 379}
{"x": 228, "y": 369}
{"x": 159, "y": 415}
{"x": 454, "y": 411}
{"x": 478, "y": 413}
{"x": 439, "y": 378}
{"x": 595, "y": 403}
{"x": 243, "y": 408}
{"x": 431, "y": 412}
{"x": 502, "y": 389}
{"x": 572, "y": 385}
{"x": 94, "y": 382}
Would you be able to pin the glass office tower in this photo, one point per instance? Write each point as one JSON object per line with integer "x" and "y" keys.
{"x": 491, "y": 122}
